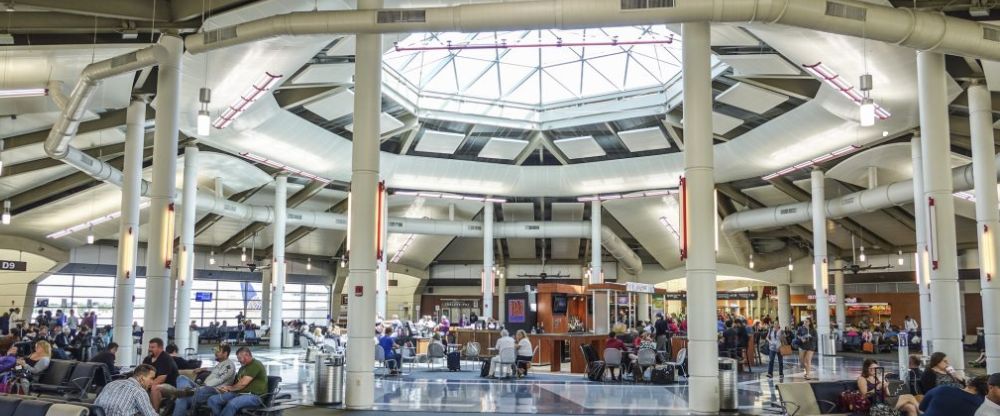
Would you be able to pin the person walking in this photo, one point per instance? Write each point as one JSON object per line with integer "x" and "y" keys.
{"x": 774, "y": 342}
{"x": 806, "y": 337}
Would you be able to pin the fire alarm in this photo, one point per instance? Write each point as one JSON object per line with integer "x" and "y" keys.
{"x": 359, "y": 291}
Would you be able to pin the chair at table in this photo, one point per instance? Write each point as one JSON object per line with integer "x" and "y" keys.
{"x": 613, "y": 360}
{"x": 471, "y": 351}
{"x": 408, "y": 355}
{"x": 508, "y": 358}
{"x": 644, "y": 359}
{"x": 380, "y": 360}
{"x": 680, "y": 362}
{"x": 527, "y": 364}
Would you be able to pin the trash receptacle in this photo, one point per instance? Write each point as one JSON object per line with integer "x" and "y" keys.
{"x": 728, "y": 398}
{"x": 329, "y": 379}
{"x": 904, "y": 354}
{"x": 194, "y": 340}
{"x": 286, "y": 341}
{"x": 827, "y": 344}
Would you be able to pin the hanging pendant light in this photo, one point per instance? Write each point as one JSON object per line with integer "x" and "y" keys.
{"x": 90, "y": 235}
{"x": 751, "y": 261}
{"x": 204, "y": 117}
{"x": 899, "y": 260}
{"x": 211, "y": 258}
{"x": 243, "y": 255}
{"x": 861, "y": 257}
{"x": 790, "y": 265}
{"x": 5, "y": 219}
{"x": 309, "y": 263}
{"x": 867, "y": 109}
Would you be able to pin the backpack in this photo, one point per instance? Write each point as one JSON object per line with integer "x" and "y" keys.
{"x": 404, "y": 330}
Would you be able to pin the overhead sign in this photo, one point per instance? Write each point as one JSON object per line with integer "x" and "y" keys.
{"x": 203, "y": 296}
{"x": 14, "y": 266}
{"x": 640, "y": 287}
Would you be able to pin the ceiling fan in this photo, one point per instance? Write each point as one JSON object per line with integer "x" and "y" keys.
{"x": 251, "y": 265}
{"x": 855, "y": 266}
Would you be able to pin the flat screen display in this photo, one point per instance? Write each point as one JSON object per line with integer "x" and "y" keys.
{"x": 559, "y": 304}
{"x": 203, "y": 296}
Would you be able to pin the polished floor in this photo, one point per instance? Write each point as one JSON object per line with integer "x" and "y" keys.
{"x": 424, "y": 390}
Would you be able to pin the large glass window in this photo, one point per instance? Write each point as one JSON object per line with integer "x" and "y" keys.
{"x": 228, "y": 299}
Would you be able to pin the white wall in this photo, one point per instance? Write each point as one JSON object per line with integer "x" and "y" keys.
{"x": 14, "y": 285}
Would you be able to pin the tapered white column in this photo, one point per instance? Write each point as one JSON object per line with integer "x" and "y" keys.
{"x": 703, "y": 349}
{"x": 364, "y": 190}
{"x": 820, "y": 280}
{"x": 643, "y": 307}
{"x": 921, "y": 264}
{"x": 278, "y": 263}
{"x": 185, "y": 264}
{"x": 487, "y": 283}
{"x": 785, "y": 306}
{"x": 382, "y": 289}
{"x": 987, "y": 217}
{"x": 838, "y": 290}
{"x": 602, "y": 318}
{"x": 128, "y": 232}
{"x": 265, "y": 298}
{"x": 161, "y": 194}
{"x": 936, "y": 152}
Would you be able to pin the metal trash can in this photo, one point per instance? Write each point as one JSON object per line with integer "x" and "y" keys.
{"x": 286, "y": 341}
{"x": 728, "y": 398}
{"x": 328, "y": 381}
{"x": 311, "y": 353}
{"x": 827, "y": 344}
{"x": 194, "y": 340}
{"x": 904, "y": 354}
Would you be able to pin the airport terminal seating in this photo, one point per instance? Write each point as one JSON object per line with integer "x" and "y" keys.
{"x": 11, "y": 405}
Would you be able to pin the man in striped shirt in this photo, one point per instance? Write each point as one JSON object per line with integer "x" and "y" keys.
{"x": 128, "y": 397}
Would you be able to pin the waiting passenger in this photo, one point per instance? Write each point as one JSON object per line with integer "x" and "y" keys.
{"x": 524, "y": 352}
{"x": 388, "y": 344}
{"x": 991, "y": 406}
{"x": 39, "y": 360}
{"x": 939, "y": 372}
{"x": 127, "y": 397}
{"x": 503, "y": 343}
{"x": 251, "y": 384}
{"x": 9, "y": 358}
{"x": 194, "y": 392}
{"x": 951, "y": 400}
{"x": 166, "y": 372}
{"x": 107, "y": 357}
{"x": 871, "y": 385}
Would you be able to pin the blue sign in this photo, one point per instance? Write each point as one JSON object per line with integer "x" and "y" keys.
{"x": 203, "y": 296}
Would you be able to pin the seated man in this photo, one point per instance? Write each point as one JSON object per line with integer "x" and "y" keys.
{"x": 127, "y": 397}
{"x": 223, "y": 374}
{"x": 503, "y": 343}
{"x": 107, "y": 357}
{"x": 166, "y": 372}
{"x": 251, "y": 384}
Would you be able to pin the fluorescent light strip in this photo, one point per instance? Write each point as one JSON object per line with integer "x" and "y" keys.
{"x": 399, "y": 253}
{"x": 814, "y": 161}
{"x": 671, "y": 227}
{"x": 968, "y": 196}
{"x": 442, "y": 195}
{"x": 249, "y": 96}
{"x": 23, "y": 92}
{"x": 838, "y": 83}
{"x": 91, "y": 223}
{"x": 631, "y": 195}
{"x": 279, "y": 165}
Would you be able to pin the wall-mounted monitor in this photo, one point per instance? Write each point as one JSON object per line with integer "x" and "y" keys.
{"x": 559, "y": 304}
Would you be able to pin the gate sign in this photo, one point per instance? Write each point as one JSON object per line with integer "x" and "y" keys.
{"x": 17, "y": 266}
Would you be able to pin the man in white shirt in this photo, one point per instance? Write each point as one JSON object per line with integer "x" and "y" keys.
{"x": 910, "y": 324}
{"x": 991, "y": 406}
{"x": 190, "y": 393}
{"x": 504, "y": 342}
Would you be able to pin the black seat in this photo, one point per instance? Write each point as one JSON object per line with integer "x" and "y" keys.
{"x": 32, "y": 408}
{"x": 828, "y": 394}
{"x": 272, "y": 401}
{"x": 56, "y": 375}
{"x": 8, "y": 404}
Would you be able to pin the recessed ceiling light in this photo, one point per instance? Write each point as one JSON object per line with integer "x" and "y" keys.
{"x": 885, "y": 133}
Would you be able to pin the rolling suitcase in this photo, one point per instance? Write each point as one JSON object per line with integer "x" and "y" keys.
{"x": 454, "y": 361}
{"x": 663, "y": 374}
{"x": 595, "y": 370}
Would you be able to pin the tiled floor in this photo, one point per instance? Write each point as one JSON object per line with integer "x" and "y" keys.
{"x": 423, "y": 390}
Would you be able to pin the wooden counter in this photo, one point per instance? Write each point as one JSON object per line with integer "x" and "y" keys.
{"x": 550, "y": 346}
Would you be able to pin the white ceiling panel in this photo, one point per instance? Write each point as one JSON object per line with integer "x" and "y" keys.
{"x": 443, "y": 142}
{"x": 992, "y": 70}
{"x": 751, "y": 98}
{"x": 732, "y": 35}
{"x": 641, "y": 140}
{"x": 762, "y": 64}
{"x": 722, "y": 124}
{"x": 520, "y": 248}
{"x": 334, "y": 106}
{"x": 501, "y": 148}
{"x": 387, "y": 123}
{"x": 580, "y": 147}
{"x": 566, "y": 248}
{"x": 326, "y": 73}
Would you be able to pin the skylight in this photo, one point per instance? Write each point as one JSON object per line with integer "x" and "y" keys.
{"x": 527, "y": 72}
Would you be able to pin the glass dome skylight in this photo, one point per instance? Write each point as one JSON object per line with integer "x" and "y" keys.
{"x": 530, "y": 71}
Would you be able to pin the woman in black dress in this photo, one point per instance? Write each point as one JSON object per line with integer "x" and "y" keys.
{"x": 806, "y": 336}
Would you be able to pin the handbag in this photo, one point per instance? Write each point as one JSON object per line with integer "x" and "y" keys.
{"x": 785, "y": 350}
{"x": 852, "y": 401}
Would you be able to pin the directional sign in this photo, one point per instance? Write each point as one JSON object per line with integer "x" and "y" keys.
{"x": 17, "y": 266}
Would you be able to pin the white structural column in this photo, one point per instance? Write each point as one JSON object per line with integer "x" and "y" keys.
{"x": 185, "y": 263}
{"x": 699, "y": 172}
{"x": 501, "y": 295}
{"x": 921, "y": 266}
{"x": 128, "y": 232}
{"x": 941, "y": 215}
{"x": 265, "y": 297}
{"x": 820, "y": 280}
{"x": 364, "y": 190}
{"x": 643, "y": 306}
{"x": 487, "y": 282}
{"x": 602, "y": 316}
{"x": 838, "y": 290}
{"x": 987, "y": 217}
{"x": 161, "y": 193}
{"x": 785, "y": 306}
{"x": 278, "y": 262}
{"x": 382, "y": 289}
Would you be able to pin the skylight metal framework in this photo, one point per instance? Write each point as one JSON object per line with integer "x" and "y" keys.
{"x": 522, "y": 74}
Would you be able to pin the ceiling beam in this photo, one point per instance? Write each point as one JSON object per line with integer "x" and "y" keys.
{"x": 408, "y": 139}
{"x": 117, "y": 9}
{"x": 51, "y": 23}
{"x": 107, "y": 120}
{"x": 554, "y": 150}
{"x": 293, "y": 201}
{"x": 533, "y": 142}
{"x": 294, "y": 97}
{"x": 803, "y": 89}
{"x": 783, "y": 184}
{"x": 797, "y": 230}
{"x": 209, "y": 220}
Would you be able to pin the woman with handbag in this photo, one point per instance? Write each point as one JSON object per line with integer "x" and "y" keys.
{"x": 806, "y": 337}
{"x": 876, "y": 390}
{"x": 775, "y": 345}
